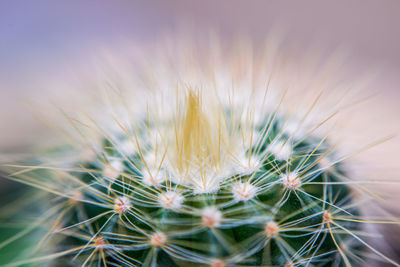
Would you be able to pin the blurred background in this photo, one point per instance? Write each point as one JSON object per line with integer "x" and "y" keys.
{"x": 45, "y": 42}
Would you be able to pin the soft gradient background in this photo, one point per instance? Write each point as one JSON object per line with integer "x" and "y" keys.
{"x": 46, "y": 42}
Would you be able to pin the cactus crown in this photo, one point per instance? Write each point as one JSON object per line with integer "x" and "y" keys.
{"x": 213, "y": 190}
{"x": 209, "y": 184}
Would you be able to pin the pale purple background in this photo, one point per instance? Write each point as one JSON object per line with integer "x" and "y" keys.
{"x": 44, "y": 38}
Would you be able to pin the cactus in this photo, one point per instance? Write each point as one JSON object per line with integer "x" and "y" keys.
{"x": 208, "y": 184}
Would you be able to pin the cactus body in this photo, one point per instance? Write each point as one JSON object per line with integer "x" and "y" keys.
{"x": 211, "y": 183}
{"x": 273, "y": 206}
